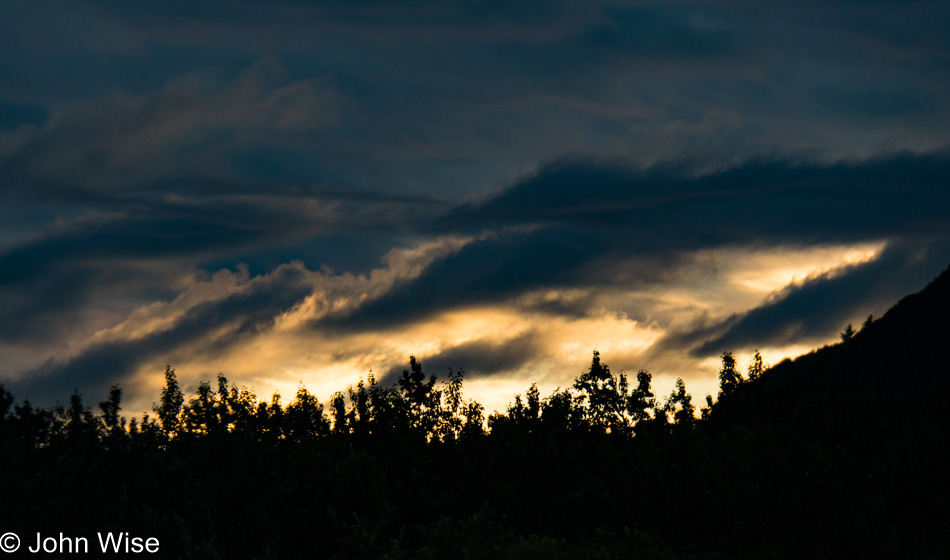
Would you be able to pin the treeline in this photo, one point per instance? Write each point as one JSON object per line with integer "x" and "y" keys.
{"x": 417, "y": 407}
{"x": 778, "y": 465}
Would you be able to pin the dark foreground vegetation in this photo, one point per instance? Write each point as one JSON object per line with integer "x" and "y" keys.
{"x": 839, "y": 454}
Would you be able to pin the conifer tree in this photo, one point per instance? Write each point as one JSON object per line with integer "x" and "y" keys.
{"x": 848, "y": 333}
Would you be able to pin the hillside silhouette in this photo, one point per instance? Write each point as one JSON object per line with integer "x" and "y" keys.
{"x": 864, "y": 422}
{"x": 836, "y": 454}
{"x": 893, "y": 354}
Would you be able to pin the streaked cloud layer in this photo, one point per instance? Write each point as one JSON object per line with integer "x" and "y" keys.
{"x": 308, "y": 191}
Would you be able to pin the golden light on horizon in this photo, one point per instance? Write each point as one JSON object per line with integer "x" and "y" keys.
{"x": 558, "y": 346}
{"x": 768, "y": 271}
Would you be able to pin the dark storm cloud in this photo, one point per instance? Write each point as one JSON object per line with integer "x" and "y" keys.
{"x": 610, "y": 236}
{"x": 47, "y": 281}
{"x": 478, "y": 358}
{"x": 483, "y": 271}
{"x": 237, "y": 316}
{"x": 607, "y": 224}
{"x": 125, "y": 193}
{"x": 518, "y": 21}
{"x": 819, "y": 306}
{"x": 772, "y": 200}
{"x": 506, "y": 265}
{"x": 428, "y": 90}
{"x": 144, "y": 141}
{"x": 197, "y": 134}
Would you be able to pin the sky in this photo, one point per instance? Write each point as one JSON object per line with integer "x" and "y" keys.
{"x": 307, "y": 192}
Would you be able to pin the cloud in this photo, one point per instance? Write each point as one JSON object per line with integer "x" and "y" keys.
{"x": 818, "y": 307}
{"x": 507, "y": 266}
{"x": 454, "y": 96}
{"x": 119, "y": 257}
{"x": 188, "y": 136}
{"x": 207, "y": 325}
{"x": 144, "y": 146}
{"x": 478, "y": 358}
{"x": 764, "y": 200}
{"x": 576, "y": 242}
{"x": 228, "y": 22}
{"x": 114, "y": 199}
{"x": 211, "y": 316}
{"x": 585, "y": 225}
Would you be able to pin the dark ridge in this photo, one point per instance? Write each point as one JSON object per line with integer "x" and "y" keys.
{"x": 897, "y": 355}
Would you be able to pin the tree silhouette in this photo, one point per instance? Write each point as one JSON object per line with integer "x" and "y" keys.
{"x": 422, "y": 398}
{"x": 450, "y": 421}
{"x": 358, "y": 417}
{"x": 596, "y": 470}
{"x": 6, "y": 401}
{"x": 729, "y": 376}
{"x": 205, "y": 414}
{"x": 526, "y": 416}
{"x": 473, "y": 420}
{"x": 680, "y": 404}
{"x": 112, "y": 425}
{"x": 338, "y": 410}
{"x": 304, "y": 417}
{"x": 706, "y": 410}
{"x": 81, "y": 425}
{"x": 169, "y": 407}
{"x": 604, "y": 396}
{"x": 757, "y": 367}
{"x": 641, "y": 400}
{"x": 848, "y": 333}
{"x": 560, "y": 413}
{"x": 269, "y": 421}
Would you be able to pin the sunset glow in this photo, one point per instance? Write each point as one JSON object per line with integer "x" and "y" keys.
{"x": 291, "y": 352}
{"x": 303, "y": 194}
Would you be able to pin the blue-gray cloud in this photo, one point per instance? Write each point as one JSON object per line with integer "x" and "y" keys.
{"x": 426, "y": 89}
{"x": 818, "y": 307}
{"x": 478, "y": 358}
{"x": 758, "y": 200}
{"x": 143, "y": 141}
{"x": 243, "y": 315}
{"x": 603, "y": 224}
